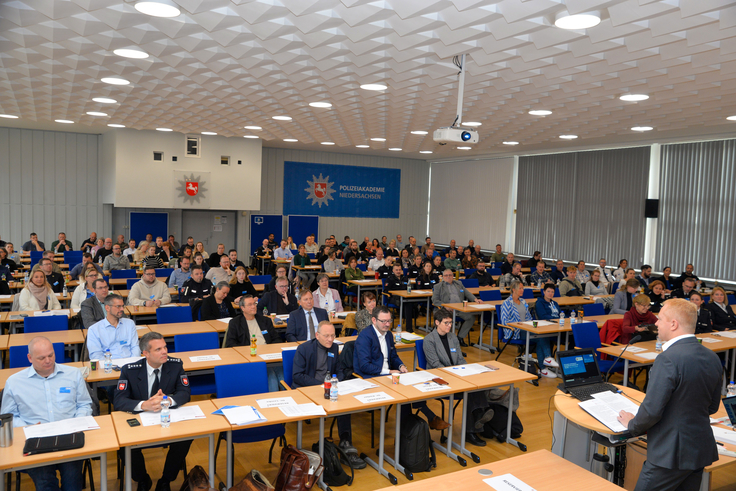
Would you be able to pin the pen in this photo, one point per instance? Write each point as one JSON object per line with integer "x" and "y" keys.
{"x": 719, "y": 443}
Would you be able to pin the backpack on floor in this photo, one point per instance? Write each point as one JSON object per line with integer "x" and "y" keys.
{"x": 496, "y": 427}
{"x": 417, "y": 452}
{"x": 334, "y": 474}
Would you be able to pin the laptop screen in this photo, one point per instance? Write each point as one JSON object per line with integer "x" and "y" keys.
{"x": 579, "y": 367}
{"x": 730, "y": 404}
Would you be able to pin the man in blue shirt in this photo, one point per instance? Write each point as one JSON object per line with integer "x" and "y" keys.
{"x": 43, "y": 393}
{"x": 181, "y": 275}
{"x": 114, "y": 332}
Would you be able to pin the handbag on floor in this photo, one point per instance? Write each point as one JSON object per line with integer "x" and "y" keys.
{"x": 254, "y": 481}
{"x": 299, "y": 469}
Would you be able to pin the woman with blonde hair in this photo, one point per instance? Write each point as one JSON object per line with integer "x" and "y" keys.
{"x": 240, "y": 284}
{"x": 724, "y": 318}
{"x": 140, "y": 254}
{"x": 637, "y": 319}
{"x": 85, "y": 289}
{"x": 199, "y": 247}
{"x": 38, "y": 295}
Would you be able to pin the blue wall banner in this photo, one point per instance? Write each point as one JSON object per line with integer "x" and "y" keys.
{"x": 341, "y": 190}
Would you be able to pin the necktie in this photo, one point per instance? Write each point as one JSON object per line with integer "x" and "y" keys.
{"x": 155, "y": 386}
{"x": 311, "y": 325}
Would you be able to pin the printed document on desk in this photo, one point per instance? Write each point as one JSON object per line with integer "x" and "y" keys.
{"x": 62, "y": 427}
{"x": 243, "y": 415}
{"x": 308, "y": 409}
{"x": 467, "y": 370}
{"x": 413, "y": 378}
{"x": 606, "y": 406}
{"x": 508, "y": 482}
{"x": 121, "y": 362}
{"x": 355, "y": 385}
{"x": 183, "y": 413}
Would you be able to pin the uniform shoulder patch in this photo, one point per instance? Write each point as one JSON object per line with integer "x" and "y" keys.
{"x": 122, "y": 385}
{"x": 184, "y": 380}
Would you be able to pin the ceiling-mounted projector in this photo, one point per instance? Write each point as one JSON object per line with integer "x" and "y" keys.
{"x": 451, "y": 134}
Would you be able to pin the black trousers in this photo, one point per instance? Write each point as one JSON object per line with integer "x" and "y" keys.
{"x": 654, "y": 478}
{"x": 174, "y": 461}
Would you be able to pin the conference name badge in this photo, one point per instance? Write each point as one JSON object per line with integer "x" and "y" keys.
{"x": 65, "y": 390}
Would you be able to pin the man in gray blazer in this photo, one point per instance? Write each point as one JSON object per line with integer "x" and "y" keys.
{"x": 92, "y": 310}
{"x": 684, "y": 389}
{"x": 450, "y": 290}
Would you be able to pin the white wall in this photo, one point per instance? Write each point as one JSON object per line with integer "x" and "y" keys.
{"x": 49, "y": 183}
{"x": 139, "y": 182}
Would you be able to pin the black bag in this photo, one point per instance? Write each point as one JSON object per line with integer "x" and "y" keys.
{"x": 417, "y": 452}
{"x": 334, "y": 474}
{"x": 57, "y": 443}
{"x": 575, "y": 291}
{"x": 496, "y": 427}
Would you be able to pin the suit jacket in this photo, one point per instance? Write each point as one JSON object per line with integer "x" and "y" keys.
{"x": 238, "y": 333}
{"x": 305, "y": 363}
{"x": 211, "y": 311}
{"x": 296, "y": 326}
{"x": 132, "y": 385}
{"x": 270, "y": 301}
{"x": 91, "y": 312}
{"x": 436, "y": 354}
{"x": 368, "y": 359}
{"x": 684, "y": 389}
{"x": 442, "y": 290}
{"x": 721, "y": 319}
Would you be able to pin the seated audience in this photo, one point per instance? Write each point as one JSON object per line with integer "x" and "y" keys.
{"x": 398, "y": 282}
{"x": 508, "y": 264}
{"x": 438, "y": 265}
{"x": 196, "y": 287}
{"x": 532, "y": 262}
{"x": 540, "y": 276}
{"x": 498, "y": 256}
{"x": 130, "y": 250}
{"x": 606, "y": 277}
{"x": 92, "y": 310}
{"x": 56, "y": 280}
{"x": 629, "y": 274}
{"x": 77, "y": 270}
{"x": 7, "y": 262}
{"x": 303, "y": 322}
{"x": 559, "y": 273}
{"x": 416, "y": 268}
{"x": 89, "y": 243}
{"x": 61, "y": 245}
{"x": 362, "y": 318}
{"x": 391, "y": 250}
{"x": 116, "y": 260}
{"x": 214, "y": 259}
{"x": 657, "y": 295}
{"x": 723, "y": 315}
{"x": 688, "y": 273}
{"x": 685, "y": 289}
{"x": 666, "y": 278}
{"x": 405, "y": 260}
{"x": 546, "y": 309}
{"x": 180, "y": 276}
{"x": 240, "y": 285}
{"x": 149, "y": 291}
{"x": 221, "y": 273}
{"x": 450, "y": 290}
{"x": 278, "y": 301}
{"x": 704, "y": 324}
{"x": 34, "y": 244}
{"x": 596, "y": 288}
{"x": 234, "y": 261}
{"x": 331, "y": 264}
{"x": 619, "y": 272}
{"x": 199, "y": 247}
{"x": 427, "y": 279}
{"x": 623, "y": 300}
{"x": 281, "y": 272}
{"x": 103, "y": 252}
{"x": 583, "y": 276}
{"x": 85, "y": 289}
{"x": 452, "y": 263}
{"x": 218, "y": 305}
{"x": 326, "y": 297}
{"x": 141, "y": 253}
{"x": 153, "y": 258}
{"x": 637, "y": 319}
{"x": 199, "y": 261}
{"x": 304, "y": 277}
{"x": 515, "y": 274}
{"x": 37, "y": 294}
{"x": 283, "y": 252}
{"x": 645, "y": 277}
{"x": 469, "y": 260}
{"x": 114, "y": 332}
{"x": 353, "y": 273}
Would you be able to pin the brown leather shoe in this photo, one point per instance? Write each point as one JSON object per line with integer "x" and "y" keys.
{"x": 438, "y": 424}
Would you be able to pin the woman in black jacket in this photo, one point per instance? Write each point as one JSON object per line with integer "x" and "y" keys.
{"x": 724, "y": 318}
{"x": 240, "y": 285}
{"x": 427, "y": 278}
{"x": 218, "y": 305}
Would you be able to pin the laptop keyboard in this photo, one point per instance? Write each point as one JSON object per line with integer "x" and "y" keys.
{"x": 586, "y": 392}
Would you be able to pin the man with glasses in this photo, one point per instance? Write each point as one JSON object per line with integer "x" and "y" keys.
{"x": 116, "y": 260}
{"x": 56, "y": 280}
{"x": 222, "y": 273}
{"x": 280, "y": 301}
{"x": 197, "y": 286}
{"x": 480, "y": 274}
{"x": 313, "y": 361}
{"x": 93, "y": 309}
{"x": 149, "y": 292}
{"x": 450, "y": 290}
{"x": 302, "y": 323}
{"x": 113, "y": 332}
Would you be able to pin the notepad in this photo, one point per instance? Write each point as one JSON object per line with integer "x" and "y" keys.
{"x": 467, "y": 370}
{"x": 243, "y": 415}
{"x": 178, "y": 414}
{"x": 270, "y": 356}
{"x": 354, "y": 385}
{"x": 61, "y": 427}
{"x": 300, "y": 410}
{"x": 648, "y": 356}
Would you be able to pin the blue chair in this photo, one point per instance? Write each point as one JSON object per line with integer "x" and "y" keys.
{"x": 614, "y": 288}
{"x": 594, "y": 309}
{"x": 706, "y": 299}
{"x": 130, "y": 282}
{"x": 731, "y": 298}
{"x": 123, "y": 273}
{"x": 345, "y": 292}
{"x": 241, "y": 380}
{"x": 494, "y": 271}
{"x": 386, "y": 297}
{"x": 18, "y": 357}
{"x": 587, "y": 336}
{"x": 528, "y": 293}
{"x": 311, "y": 255}
{"x": 363, "y": 267}
{"x": 45, "y": 324}
{"x": 260, "y": 279}
{"x": 468, "y": 272}
{"x": 164, "y": 272}
{"x": 170, "y": 315}
{"x": 287, "y": 360}
{"x": 199, "y": 384}
{"x": 73, "y": 257}
{"x": 36, "y": 254}
{"x": 470, "y": 282}
{"x": 497, "y": 264}
{"x": 419, "y": 353}
{"x": 557, "y": 293}
{"x": 490, "y": 295}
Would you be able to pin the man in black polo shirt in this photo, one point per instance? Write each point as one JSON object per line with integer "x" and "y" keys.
{"x": 56, "y": 280}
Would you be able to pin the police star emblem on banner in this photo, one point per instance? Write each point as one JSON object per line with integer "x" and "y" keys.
{"x": 320, "y": 190}
{"x": 191, "y": 188}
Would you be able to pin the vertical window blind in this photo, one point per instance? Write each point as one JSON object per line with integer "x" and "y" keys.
{"x": 583, "y": 205}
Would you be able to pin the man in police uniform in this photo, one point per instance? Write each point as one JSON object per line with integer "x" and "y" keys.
{"x": 141, "y": 387}
{"x": 197, "y": 286}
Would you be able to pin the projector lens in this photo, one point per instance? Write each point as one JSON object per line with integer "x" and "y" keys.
{"x": 465, "y": 136}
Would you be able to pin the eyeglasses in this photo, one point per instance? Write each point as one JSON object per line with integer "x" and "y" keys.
{"x": 384, "y": 321}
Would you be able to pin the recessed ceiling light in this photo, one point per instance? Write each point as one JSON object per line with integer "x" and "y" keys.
{"x": 65, "y": 121}
{"x": 290, "y": 140}
{"x": 642, "y": 128}
{"x": 568, "y": 137}
{"x": 157, "y": 9}
{"x": 472, "y": 123}
{"x": 8, "y": 116}
{"x": 730, "y": 118}
{"x": 395, "y": 149}
{"x": 115, "y": 81}
{"x": 374, "y": 87}
{"x": 250, "y": 136}
{"x": 95, "y": 113}
{"x": 104, "y": 100}
{"x": 540, "y": 112}
{"x": 464, "y": 148}
{"x": 323, "y": 105}
{"x": 634, "y": 97}
{"x": 209, "y": 133}
{"x": 362, "y": 146}
{"x": 418, "y": 132}
{"x": 131, "y": 53}
{"x": 378, "y": 139}
{"x": 564, "y": 20}
{"x": 510, "y": 143}
{"x": 425, "y": 151}
{"x": 254, "y": 128}
{"x": 164, "y": 129}
{"x": 113, "y": 125}
{"x": 282, "y": 118}
{"x": 328, "y": 143}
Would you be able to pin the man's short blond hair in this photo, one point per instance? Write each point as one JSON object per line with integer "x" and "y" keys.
{"x": 684, "y": 312}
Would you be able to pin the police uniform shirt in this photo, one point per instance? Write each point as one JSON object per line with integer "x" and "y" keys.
{"x": 151, "y": 377}
{"x": 192, "y": 289}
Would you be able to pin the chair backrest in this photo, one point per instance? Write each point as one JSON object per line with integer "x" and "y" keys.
{"x": 164, "y": 272}
{"x": 196, "y": 341}
{"x": 241, "y": 380}
{"x": 557, "y": 293}
{"x": 489, "y": 295}
{"x": 34, "y": 261}
{"x": 287, "y": 360}
{"x": 731, "y": 298}
{"x": 170, "y": 315}
{"x": 468, "y": 272}
{"x": 36, "y": 254}
{"x": 311, "y": 255}
{"x": 497, "y": 264}
{"x": 594, "y": 309}
{"x": 528, "y": 293}
{"x": 494, "y": 271}
{"x": 614, "y": 288}
{"x": 260, "y": 279}
{"x": 18, "y": 357}
{"x": 586, "y": 335}
{"x": 130, "y": 282}
{"x": 123, "y": 273}
{"x": 73, "y": 257}
{"x": 46, "y": 324}
{"x": 470, "y": 282}
{"x": 363, "y": 267}
{"x": 419, "y": 353}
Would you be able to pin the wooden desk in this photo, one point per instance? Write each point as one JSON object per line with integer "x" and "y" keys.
{"x": 170, "y": 330}
{"x": 268, "y": 349}
{"x": 96, "y": 444}
{"x": 4, "y": 342}
{"x": 368, "y": 284}
{"x": 568, "y": 406}
{"x": 69, "y": 337}
{"x": 146, "y": 436}
{"x": 477, "y": 308}
{"x": 219, "y": 325}
{"x": 138, "y": 310}
{"x": 415, "y": 296}
{"x": 28, "y": 313}
{"x": 228, "y": 356}
{"x": 542, "y": 331}
{"x": 541, "y": 470}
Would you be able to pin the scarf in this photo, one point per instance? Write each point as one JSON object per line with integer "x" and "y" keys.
{"x": 640, "y": 318}
{"x": 40, "y": 293}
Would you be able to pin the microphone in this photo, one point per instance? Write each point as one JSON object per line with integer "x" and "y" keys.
{"x": 635, "y": 339}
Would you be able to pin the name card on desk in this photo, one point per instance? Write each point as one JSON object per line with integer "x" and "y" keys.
{"x": 276, "y": 402}
{"x": 710, "y": 340}
{"x": 375, "y": 397}
{"x": 428, "y": 387}
{"x": 271, "y": 356}
{"x": 508, "y": 482}
{"x": 648, "y": 356}
{"x": 195, "y": 359}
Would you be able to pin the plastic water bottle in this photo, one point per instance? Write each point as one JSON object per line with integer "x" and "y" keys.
{"x": 65, "y": 290}
{"x": 658, "y": 346}
{"x": 558, "y": 282}
{"x": 731, "y": 389}
{"x": 562, "y": 318}
{"x": 108, "y": 361}
{"x": 25, "y": 278}
{"x": 397, "y": 336}
{"x": 333, "y": 388}
{"x": 408, "y": 287}
{"x": 573, "y": 317}
{"x": 165, "y": 413}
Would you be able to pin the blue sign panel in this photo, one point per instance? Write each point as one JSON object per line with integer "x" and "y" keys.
{"x": 341, "y": 190}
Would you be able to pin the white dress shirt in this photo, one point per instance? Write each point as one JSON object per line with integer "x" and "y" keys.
{"x": 384, "y": 350}
{"x": 151, "y": 378}
{"x": 674, "y": 340}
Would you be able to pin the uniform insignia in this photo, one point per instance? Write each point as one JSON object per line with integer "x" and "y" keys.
{"x": 174, "y": 360}
{"x": 122, "y": 385}
{"x": 185, "y": 380}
